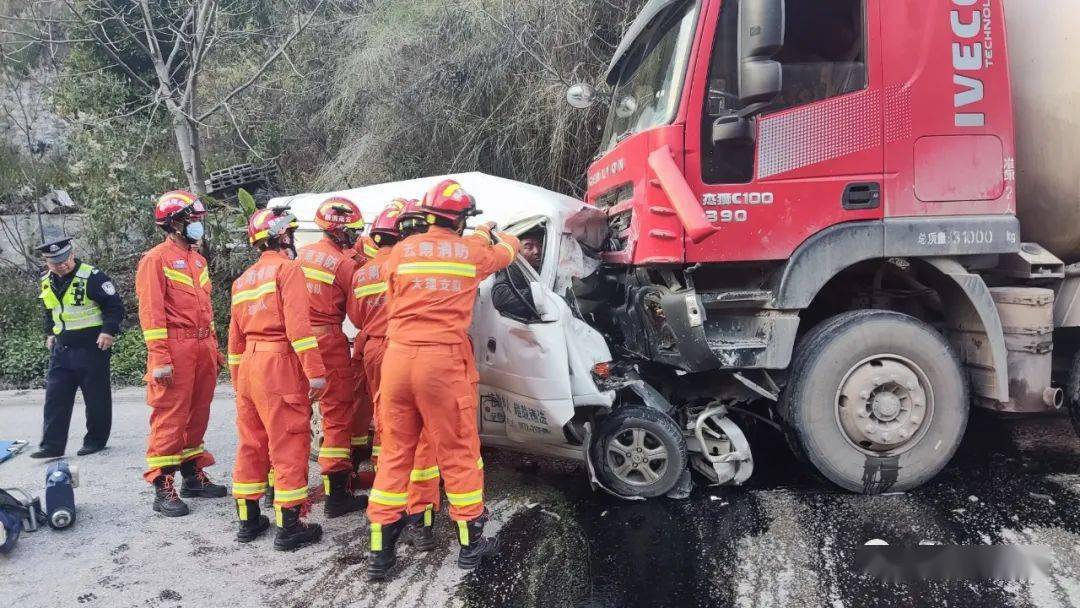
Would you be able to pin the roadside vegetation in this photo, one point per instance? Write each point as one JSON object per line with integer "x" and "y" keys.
{"x": 335, "y": 93}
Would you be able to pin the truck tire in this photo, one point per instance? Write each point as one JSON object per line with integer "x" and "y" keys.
{"x": 876, "y": 401}
{"x": 638, "y": 452}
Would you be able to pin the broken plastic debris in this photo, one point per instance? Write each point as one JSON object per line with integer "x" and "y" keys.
{"x": 875, "y": 542}
{"x": 1042, "y": 496}
{"x": 551, "y": 514}
{"x": 973, "y": 498}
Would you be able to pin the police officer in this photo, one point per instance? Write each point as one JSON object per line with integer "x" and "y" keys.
{"x": 81, "y": 321}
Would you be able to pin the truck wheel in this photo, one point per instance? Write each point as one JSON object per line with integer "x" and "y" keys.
{"x": 876, "y": 401}
{"x": 1072, "y": 398}
{"x": 316, "y": 431}
{"x": 638, "y": 452}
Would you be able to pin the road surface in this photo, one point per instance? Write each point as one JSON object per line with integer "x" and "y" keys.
{"x": 785, "y": 540}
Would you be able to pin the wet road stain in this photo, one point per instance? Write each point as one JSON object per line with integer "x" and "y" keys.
{"x": 787, "y": 539}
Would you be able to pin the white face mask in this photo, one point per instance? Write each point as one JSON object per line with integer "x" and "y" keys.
{"x": 195, "y": 231}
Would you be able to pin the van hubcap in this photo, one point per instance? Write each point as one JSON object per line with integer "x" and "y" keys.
{"x": 884, "y": 404}
{"x": 637, "y": 457}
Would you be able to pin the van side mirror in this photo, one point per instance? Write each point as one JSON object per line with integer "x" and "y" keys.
{"x": 761, "y": 36}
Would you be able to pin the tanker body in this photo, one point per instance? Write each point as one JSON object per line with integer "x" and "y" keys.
{"x": 1044, "y": 51}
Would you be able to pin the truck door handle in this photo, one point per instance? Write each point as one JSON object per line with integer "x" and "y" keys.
{"x": 491, "y": 345}
{"x": 865, "y": 195}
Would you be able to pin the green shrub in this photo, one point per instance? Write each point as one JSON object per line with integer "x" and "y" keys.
{"x": 129, "y": 358}
{"x": 23, "y": 358}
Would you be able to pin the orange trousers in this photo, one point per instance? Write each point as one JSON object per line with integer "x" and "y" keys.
{"x": 428, "y": 389}
{"x": 273, "y": 421}
{"x": 338, "y": 403}
{"x": 424, "y": 477}
{"x": 180, "y": 412}
{"x": 363, "y": 408}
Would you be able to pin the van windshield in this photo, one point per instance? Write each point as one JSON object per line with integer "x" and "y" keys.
{"x": 646, "y": 94}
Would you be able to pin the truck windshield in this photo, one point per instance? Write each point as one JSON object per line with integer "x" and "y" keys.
{"x": 646, "y": 94}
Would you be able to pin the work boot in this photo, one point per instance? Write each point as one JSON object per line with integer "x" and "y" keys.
{"x": 363, "y": 480}
{"x": 474, "y": 546}
{"x": 421, "y": 530}
{"x": 293, "y": 533}
{"x": 382, "y": 556}
{"x": 166, "y": 501}
{"x": 339, "y": 500}
{"x": 252, "y": 524}
{"x": 197, "y": 483}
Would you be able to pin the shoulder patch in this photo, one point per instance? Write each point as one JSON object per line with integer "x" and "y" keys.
{"x": 108, "y": 288}
{"x": 179, "y": 264}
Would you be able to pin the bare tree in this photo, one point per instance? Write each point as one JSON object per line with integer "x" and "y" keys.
{"x": 175, "y": 38}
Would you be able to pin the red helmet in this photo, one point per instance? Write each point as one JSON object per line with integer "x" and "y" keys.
{"x": 448, "y": 200}
{"x": 338, "y": 212}
{"x": 178, "y": 204}
{"x": 270, "y": 224}
{"x": 412, "y": 219}
{"x": 384, "y": 229}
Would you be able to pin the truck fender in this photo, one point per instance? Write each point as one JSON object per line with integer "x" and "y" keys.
{"x": 969, "y": 305}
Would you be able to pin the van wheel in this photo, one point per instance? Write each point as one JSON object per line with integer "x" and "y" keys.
{"x": 638, "y": 452}
{"x": 877, "y": 401}
{"x": 316, "y": 431}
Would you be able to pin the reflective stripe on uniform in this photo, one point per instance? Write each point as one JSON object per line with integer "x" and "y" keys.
{"x": 376, "y": 450}
{"x": 254, "y": 293}
{"x": 359, "y": 440}
{"x": 73, "y": 310}
{"x": 465, "y": 499}
{"x": 179, "y": 277}
{"x": 325, "y": 482}
{"x": 455, "y": 269}
{"x": 283, "y": 496}
{"x": 303, "y": 344}
{"x": 424, "y": 474}
{"x": 318, "y": 275}
{"x": 156, "y": 462}
{"x": 480, "y": 463}
{"x": 243, "y": 489}
{"x": 463, "y": 533}
{"x": 241, "y": 509}
{"x": 429, "y": 514}
{"x": 189, "y": 452}
{"x": 204, "y": 277}
{"x": 513, "y": 254}
{"x": 376, "y": 537}
{"x": 157, "y": 333}
{"x": 374, "y": 289}
{"x": 325, "y": 452}
{"x": 235, "y": 359}
{"x": 390, "y": 499}
{"x": 370, "y": 251}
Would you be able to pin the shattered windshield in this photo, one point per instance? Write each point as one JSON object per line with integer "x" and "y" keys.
{"x": 647, "y": 92}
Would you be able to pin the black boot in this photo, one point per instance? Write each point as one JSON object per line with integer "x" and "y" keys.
{"x": 474, "y": 546}
{"x": 421, "y": 530}
{"x": 293, "y": 533}
{"x": 252, "y": 524}
{"x": 166, "y": 501}
{"x": 339, "y": 500}
{"x": 382, "y": 557}
{"x": 197, "y": 483}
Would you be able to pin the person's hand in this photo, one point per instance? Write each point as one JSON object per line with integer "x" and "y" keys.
{"x": 488, "y": 226}
{"x": 318, "y": 387}
{"x": 220, "y": 360}
{"x": 105, "y": 341}
{"x": 163, "y": 375}
{"x": 50, "y": 342}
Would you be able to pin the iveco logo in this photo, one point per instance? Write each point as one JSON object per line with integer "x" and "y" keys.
{"x": 615, "y": 167}
{"x": 971, "y": 20}
{"x": 724, "y": 199}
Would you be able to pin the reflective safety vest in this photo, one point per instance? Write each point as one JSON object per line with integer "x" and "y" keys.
{"x": 74, "y": 310}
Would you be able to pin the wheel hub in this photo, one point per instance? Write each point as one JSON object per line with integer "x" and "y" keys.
{"x": 637, "y": 456}
{"x": 884, "y": 403}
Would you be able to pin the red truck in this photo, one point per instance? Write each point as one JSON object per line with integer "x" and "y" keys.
{"x": 811, "y": 220}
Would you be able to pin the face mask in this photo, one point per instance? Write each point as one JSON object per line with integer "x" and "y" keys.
{"x": 194, "y": 231}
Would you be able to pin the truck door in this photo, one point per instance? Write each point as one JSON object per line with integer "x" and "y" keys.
{"x": 521, "y": 355}
{"x": 813, "y": 156}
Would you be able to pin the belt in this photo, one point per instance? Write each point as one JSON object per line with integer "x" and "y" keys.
{"x": 268, "y": 347}
{"x": 189, "y": 333}
{"x": 450, "y": 349}
{"x": 327, "y": 330}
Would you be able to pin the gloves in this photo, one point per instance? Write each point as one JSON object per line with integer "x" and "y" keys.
{"x": 318, "y": 387}
{"x": 163, "y": 375}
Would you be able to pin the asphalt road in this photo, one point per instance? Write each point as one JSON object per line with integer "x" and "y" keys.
{"x": 785, "y": 540}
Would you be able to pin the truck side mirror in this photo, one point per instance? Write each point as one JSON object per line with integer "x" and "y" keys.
{"x": 761, "y": 36}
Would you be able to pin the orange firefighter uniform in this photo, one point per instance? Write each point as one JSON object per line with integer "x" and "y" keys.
{"x": 368, "y": 312}
{"x": 329, "y": 271}
{"x": 272, "y": 354}
{"x": 173, "y": 287}
{"x": 364, "y": 251}
{"x": 429, "y": 379}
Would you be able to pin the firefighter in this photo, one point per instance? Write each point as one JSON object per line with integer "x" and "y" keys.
{"x": 82, "y": 319}
{"x": 429, "y": 379}
{"x": 277, "y": 369}
{"x": 329, "y": 268}
{"x": 368, "y": 312}
{"x": 173, "y": 287}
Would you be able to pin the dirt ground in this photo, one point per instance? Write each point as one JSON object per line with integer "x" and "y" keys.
{"x": 784, "y": 540}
